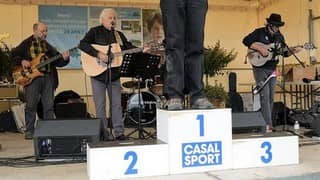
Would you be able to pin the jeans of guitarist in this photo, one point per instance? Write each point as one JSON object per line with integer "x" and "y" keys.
{"x": 102, "y": 36}
{"x": 41, "y": 87}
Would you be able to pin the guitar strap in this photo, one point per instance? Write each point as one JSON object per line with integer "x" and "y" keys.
{"x": 118, "y": 39}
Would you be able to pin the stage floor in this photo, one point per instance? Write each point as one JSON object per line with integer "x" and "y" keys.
{"x": 14, "y": 145}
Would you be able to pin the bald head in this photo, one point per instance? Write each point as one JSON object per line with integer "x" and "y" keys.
{"x": 40, "y": 30}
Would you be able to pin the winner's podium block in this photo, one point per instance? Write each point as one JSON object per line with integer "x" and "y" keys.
{"x": 265, "y": 151}
{"x": 199, "y": 140}
{"x": 126, "y": 159}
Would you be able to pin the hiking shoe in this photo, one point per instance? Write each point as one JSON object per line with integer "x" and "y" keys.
{"x": 122, "y": 137}
{"x": 201, "y": 103}
{"x": 174, "y": 104}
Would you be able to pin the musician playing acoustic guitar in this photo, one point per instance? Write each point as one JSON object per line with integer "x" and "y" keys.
{"x": 43, "y": 86}
{"x": 258, "y": 40}
{"x": 105, "y": 34}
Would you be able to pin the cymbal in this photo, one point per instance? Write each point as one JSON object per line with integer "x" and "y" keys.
{"x": 133, "y": 84}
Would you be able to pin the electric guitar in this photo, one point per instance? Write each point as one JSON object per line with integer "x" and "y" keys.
{"x": 93, "y": 66}
{"x": 256, "y": 59}
{"x": 24, "y": 76}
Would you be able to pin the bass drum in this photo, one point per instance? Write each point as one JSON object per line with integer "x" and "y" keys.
{"x": 148, "y": 104}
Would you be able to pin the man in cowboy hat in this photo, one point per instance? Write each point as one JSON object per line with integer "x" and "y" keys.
{"x": 259, "y": 41}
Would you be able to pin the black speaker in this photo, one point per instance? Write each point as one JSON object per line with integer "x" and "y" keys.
{"x": 316, "y": 125}
{"x": 71, "y": 110}
{"x": 245, "y": 122}
{"x": 64, "y": 139}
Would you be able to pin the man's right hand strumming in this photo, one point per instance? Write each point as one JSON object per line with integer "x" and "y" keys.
{"x": 263, "y": 50}
{"x": 103, "y": 57}
{"x": 25, "y": 63}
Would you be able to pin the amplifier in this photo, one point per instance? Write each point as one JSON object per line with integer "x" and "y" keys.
{"x": 8, "y": 91}
{"x": 65, "y": 139}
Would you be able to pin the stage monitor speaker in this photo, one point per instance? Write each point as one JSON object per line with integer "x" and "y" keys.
{"x": 65, "y": 139}
{"x": 245, "y": 122}
{"x": 71, "y": 110}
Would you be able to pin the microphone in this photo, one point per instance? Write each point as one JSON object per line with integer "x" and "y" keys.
{"x": 112, "y": 25}
{"x": 306, "y": 80}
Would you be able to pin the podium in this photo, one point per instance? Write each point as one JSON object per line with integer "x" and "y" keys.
{"x": 199, "y": 140}
{"x": 190, "y": 141}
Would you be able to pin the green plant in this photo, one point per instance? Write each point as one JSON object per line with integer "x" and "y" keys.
{"x": 215, "y": 59}
{"x": 216, "y": 92}
{"x": 6, "y": 63}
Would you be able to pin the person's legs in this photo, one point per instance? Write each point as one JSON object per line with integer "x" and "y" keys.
{"x": 266, "y": 94}
{"x": 99, "y": 98}
{"x": 47, "y": 97}
{"x": 194, "y": 36}
{"x": 32, "y": 96}
{"x": 115, "y": 97}
{"x": 195, "y": 20}
{"x": 173, "y": 13}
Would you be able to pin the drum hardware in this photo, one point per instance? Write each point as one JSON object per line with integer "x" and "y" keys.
{"x": 139, "y": 109}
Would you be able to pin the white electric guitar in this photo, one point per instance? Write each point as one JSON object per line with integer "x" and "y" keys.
{"x": 256, "y": 59}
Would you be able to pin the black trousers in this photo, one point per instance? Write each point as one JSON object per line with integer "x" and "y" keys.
{"x": 183, "y": 22}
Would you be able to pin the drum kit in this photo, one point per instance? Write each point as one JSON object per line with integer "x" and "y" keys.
{"x": 142, "y": 91}
{"x": 150, "y": 99}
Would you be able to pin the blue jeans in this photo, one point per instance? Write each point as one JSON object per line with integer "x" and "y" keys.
{"x": 267, "y": 93}
{"x": 183, "y": 22}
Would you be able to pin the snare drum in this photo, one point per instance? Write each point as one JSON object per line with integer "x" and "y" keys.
{"x": 130, "y": 85}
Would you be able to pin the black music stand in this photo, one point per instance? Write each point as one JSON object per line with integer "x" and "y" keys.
{"x": 141, "y": 66}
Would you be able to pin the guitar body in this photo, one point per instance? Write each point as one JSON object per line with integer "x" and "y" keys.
{"x": 92, "y": 66}
{"x": 23, "y": 76}
{"x": 256, "y": 59}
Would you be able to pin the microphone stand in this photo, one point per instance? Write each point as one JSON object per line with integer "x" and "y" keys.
{"x": 283, "y": 83}
{"x": 110, "y": 58}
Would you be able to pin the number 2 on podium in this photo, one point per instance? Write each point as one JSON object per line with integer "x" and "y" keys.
{"x": 200, "y": 117}
{"x": 131, "y": 169}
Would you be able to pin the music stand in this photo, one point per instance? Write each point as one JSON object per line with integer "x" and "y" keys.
{"x": 141, "y": 66}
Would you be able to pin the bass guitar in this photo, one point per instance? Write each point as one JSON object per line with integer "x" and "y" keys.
{"x": 256, "y": 59}
{"x": 24, "y": 76}
{"x": 93, "y": 66}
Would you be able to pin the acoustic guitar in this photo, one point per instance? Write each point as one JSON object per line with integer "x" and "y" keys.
{"x": 93, "y": 66}
{"x": 24, "y": 76}
{"x": 256, "y": 59}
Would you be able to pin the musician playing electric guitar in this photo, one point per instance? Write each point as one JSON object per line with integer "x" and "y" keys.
{"x": 42, "y": 86}
{"x": 268, "y": 35}
{"x": 105, "y": 34}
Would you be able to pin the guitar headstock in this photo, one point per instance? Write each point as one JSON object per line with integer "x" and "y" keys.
{"x": 309, "y": 46}
{"x": 155, "y": 47}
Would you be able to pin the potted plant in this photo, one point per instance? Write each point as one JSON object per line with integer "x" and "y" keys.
{"x": 216, "y": 94}
{"x": 6, "y": 63}
{"x": 215, "y": 59}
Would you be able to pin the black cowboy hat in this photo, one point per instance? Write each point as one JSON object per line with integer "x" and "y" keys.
{"x": 275, "y": 19}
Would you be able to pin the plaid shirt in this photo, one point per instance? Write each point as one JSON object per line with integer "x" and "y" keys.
{"x": 37, "y": 47}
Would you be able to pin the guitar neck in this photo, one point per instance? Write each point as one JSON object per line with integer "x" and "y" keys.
{"x": 44, "y": 63}
{"x": 129, "y": 51}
